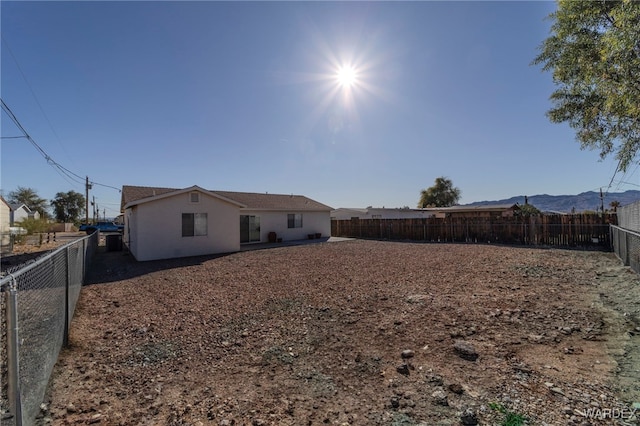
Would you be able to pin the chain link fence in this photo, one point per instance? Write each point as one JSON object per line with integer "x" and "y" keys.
{"x": 626, "y": 245}
{"x": 629, "y": 216}
{"x": 626, "y": 236}
{"x": 37, "y": 303}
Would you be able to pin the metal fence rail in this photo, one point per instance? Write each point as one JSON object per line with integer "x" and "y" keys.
{"x": 626, "y": 245}
{"x": 37, "y": 304}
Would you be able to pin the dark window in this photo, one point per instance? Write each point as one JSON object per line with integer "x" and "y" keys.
{"x": 294, "y": 220}
{"x": 194, "y": 224}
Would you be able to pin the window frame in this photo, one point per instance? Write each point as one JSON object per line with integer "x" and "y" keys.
{"x": 195, "y": 225}
{"x": 294, "y": 220}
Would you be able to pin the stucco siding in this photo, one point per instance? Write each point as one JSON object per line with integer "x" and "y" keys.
{"x": 312, "y": 222}
{"x": 129, "y": 237}
{"x": 18, "y": 216}
{"x": 158, "y": 228}
{"x": 5, "y": 217}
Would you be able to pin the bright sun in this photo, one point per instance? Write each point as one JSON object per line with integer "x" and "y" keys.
{"x": 346, "y": 76}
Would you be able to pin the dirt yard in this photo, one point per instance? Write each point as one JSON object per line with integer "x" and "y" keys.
{"x": 33, "y": 247}
{"x": 354, "y": 333}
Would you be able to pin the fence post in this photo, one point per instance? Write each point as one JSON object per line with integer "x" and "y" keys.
{"x": 65, "y": 339}
{"x": 84, "y": 259}
{"x": 13, "y": 367}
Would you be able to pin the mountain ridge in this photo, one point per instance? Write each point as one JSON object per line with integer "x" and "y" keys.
{"x": 584, "y": 201}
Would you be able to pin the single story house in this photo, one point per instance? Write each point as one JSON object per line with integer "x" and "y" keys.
{"x": 343, "y": 213}
{"x": 473, "y": 211}
{"x": 5, "y": 224}
{"x": 477, "y": 211}
{"x": 163, "y": 223}
{"x": 5, "y": 216}
{"x": 20, "y": 212}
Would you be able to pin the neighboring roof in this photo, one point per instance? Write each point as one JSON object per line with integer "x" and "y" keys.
{"x": 484, "y": 207}
{"x": 17, "y": 206}
{"x": 476, "y": 208}
{"x": 254, "y": 201}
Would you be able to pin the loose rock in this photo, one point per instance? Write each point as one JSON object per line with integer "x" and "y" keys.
{"x": 440, "y": 397}
{"x": 456, "y": 388}
{"x": 465, "y": 350}
{"x": 407, "y": 353}
{"x": 403, "y": 369}
{"x": 469, "y": 417}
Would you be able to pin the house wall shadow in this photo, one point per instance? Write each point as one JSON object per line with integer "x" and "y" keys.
{"x": 111, "y": 266}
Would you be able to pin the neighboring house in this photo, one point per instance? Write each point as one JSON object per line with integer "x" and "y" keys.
{"x": 484, "y": 211}
{"x": 5, "y": 216}
{"x": 162, "y": 223}
{"x": 507, "y": 210}
{"x": 5, "y": 224}
{"x": 20, "y": 212}
{"x": 380, "y": 213}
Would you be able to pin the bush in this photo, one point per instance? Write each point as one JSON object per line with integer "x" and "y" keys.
{"x": 34, "y": 226}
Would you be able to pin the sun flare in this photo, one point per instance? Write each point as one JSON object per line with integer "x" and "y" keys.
{"x": 347, "y": 76}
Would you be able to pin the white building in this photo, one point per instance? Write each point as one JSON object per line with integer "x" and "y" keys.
{"x": 162, "y": 223}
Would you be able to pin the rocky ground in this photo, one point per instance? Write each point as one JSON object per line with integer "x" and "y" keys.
{"x": 33, "y": 247}
{"x": 354, "y": 333}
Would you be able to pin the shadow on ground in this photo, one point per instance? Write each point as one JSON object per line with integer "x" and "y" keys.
{"x": 110, "y": 266}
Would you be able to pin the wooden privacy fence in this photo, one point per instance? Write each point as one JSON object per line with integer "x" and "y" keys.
{"x": 576, "y": 230}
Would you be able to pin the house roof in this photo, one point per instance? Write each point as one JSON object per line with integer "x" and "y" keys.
{"x": 257, "y": 201}
{"x": 17, "y": 206}
{"x": 247, "y": 200}
{"x": 160, "y": 193}
{"x": 135, "y": 193}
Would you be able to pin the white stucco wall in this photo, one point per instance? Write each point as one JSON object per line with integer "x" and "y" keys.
{"x": 276, "y": 221}
{"x": 153, "y": 230}
{"x": 5, "y": 217}
{"x": 129, "y": 236}
{"x": 5, "y": 223}
{"x": 19, "y": 215}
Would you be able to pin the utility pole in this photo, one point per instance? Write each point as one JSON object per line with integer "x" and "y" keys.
{"x": 87, "y": 187}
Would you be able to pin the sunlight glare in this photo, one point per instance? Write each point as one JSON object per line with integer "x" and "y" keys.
{"x": 346, "y": 76}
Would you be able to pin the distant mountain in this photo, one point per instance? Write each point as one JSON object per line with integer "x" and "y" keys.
{"x": 566, "y": 203}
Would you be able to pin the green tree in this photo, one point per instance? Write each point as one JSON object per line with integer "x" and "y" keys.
{"x": 441, "y": 194}
{"x": 68, "y": 206}
{"x": 527, "y": 210}
{"x": 594, "y": 54}
{"x": 30, "y": 198}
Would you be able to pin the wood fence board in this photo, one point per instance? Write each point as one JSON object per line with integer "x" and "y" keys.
{"x": 577, "y": 230}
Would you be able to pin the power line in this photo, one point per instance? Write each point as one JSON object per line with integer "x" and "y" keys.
{"x": 627, "y": 183}
{"x": 33, "y": 93}
{"x": 57, "y": 166}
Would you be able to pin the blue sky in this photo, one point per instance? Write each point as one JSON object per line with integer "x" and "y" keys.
{"x": 244, "y": 96}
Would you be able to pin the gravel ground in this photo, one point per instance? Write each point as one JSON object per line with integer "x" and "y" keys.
{"x": 353, "y": 333}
